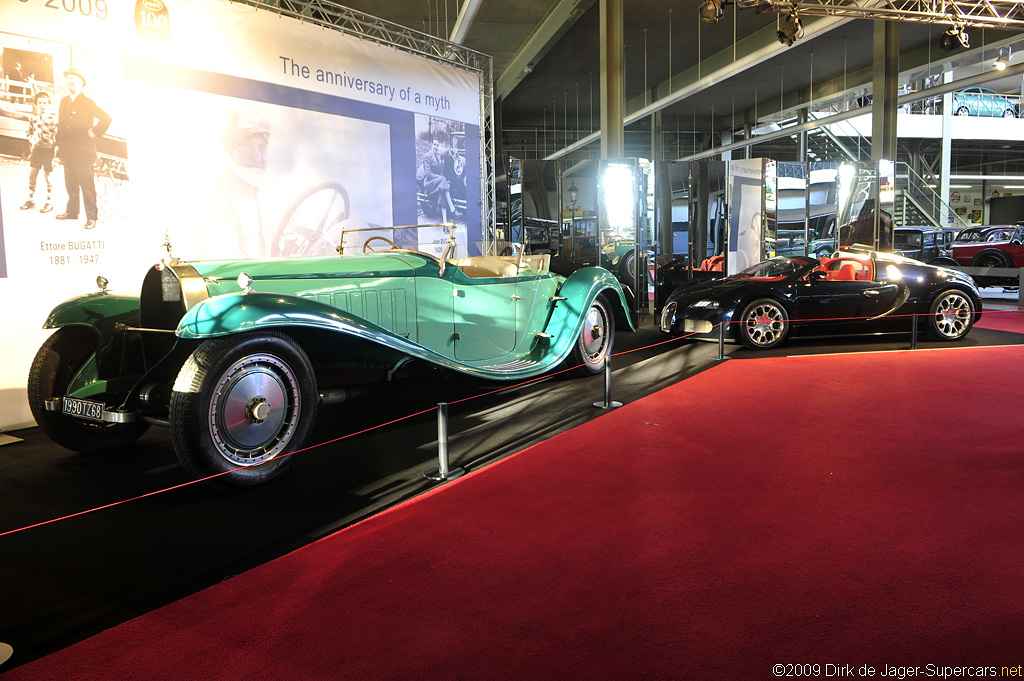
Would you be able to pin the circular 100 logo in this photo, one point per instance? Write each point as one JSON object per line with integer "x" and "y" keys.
{"x": 152, "y": 20}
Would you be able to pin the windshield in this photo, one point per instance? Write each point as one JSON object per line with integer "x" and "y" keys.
{"x": 905, "y": 239}
{"x": 777, "y": 268}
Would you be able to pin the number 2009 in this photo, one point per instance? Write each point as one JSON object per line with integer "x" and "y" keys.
{"x": 86, "y": 8}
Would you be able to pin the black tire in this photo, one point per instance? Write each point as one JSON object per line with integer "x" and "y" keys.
{"x": 250, "y": 401}
{"x": 594, "y": 344}
{"x": 1009, "y": 113}
{"x": 950, "y": 316}
{"x": 991, "y": 258}
{"x": 56, "y": 363}
{"x": 963, "y": 111}
{"x": 763, "y": 324}
{"x": 627, "y": 269}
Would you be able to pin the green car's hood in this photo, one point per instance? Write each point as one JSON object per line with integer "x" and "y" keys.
{"x": 323, "y": 267}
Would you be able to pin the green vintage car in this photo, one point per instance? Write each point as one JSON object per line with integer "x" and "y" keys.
{"x": 234, "y": 356}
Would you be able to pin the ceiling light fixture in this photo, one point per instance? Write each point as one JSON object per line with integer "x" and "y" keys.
{"x": 791, "y": 31}
{"x": 954, "y": 38}
{"x": 1003, "y": 60}
{"x": 711, "y": 11}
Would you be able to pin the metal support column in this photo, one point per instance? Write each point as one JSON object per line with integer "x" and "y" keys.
{"x": 885, "y": 87}
{"x": 947, "y": 147}
{"x": 612, "y": 77}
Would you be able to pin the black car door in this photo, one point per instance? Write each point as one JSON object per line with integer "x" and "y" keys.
{"x": 828, "y": 306}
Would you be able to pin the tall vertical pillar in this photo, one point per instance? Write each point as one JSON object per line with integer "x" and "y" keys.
{"x": 612, "y": 76}
{"x": 662, "y": 187}
{"x": 947, "y": 149}
{"x": 885, "y": 87}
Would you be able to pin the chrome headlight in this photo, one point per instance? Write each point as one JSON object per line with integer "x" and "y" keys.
{"x": 709, "y": 304}
{"x": 668, "y": 317}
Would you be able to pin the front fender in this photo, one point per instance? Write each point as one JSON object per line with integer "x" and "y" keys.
{"x": 100, "y": 311}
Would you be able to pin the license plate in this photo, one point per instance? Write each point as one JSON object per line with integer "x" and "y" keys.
{"x": 697, "y": 326}
{"x": 82, "y": 409}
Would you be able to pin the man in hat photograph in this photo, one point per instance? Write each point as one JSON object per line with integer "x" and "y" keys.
{"x": 80, "y": 122}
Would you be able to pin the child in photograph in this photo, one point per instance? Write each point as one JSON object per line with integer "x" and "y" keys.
{"x": 42, "y": 129}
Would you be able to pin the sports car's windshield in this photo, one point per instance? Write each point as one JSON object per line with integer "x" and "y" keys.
{"x": 777, "y": 268}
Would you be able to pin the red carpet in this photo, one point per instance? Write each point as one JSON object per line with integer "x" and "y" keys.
{"x": 1002, "y": 320}
{"x": 846, "y": 509}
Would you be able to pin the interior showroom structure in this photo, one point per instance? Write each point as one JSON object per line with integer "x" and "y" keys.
{"x": 520, "y": 339}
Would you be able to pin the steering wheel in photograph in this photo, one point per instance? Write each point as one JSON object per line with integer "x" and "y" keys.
{"x": 366, "y": 244}
{"x": 309, "y": 224}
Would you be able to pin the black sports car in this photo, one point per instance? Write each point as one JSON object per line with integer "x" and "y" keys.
{"x": 851, "y": 292}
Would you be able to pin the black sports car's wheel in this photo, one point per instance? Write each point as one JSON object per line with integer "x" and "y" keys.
{"x": 241, "y": 405}
{"x": 763, "y": 324}
{"x": 58, "y": 361}
{"x": 991, "y": 258}
{"x": 951, "y": 315}
{"x": 594, "y": 344}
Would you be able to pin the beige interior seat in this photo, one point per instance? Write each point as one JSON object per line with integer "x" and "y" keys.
{"x": 488, "y": 266}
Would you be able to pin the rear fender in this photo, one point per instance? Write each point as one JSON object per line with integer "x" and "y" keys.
{"x": 580, "y": 290}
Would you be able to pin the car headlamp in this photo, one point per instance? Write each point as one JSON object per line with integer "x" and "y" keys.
{"x": 709, "y": 304}
{"x": 668, "y": 317}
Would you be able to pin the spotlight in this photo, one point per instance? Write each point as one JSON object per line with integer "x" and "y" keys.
{"x": 711, "y": 11}
{"x": 954, "y": 38}
{"x": 1003, "y": 60}
{"x": 791, "y": 31}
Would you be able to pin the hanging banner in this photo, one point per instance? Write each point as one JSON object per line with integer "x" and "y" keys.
{"x": 746, "y": 214}
{"x": 211, "y": 130}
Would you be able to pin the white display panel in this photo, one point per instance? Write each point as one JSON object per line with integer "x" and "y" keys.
{"x": 234, "y": 132}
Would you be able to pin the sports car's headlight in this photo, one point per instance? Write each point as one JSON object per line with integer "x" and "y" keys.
{"x": 711, "y": 304}
{"x": 668, "y": 317}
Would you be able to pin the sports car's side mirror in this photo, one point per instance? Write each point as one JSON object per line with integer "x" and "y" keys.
{"x": 817, "y": 275}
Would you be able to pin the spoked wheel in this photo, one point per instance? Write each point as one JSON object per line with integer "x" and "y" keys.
{"x": 963, "y": 111}
{"x": 241, "y": 405}
{"x": 56, "y": 364}
{"x": 951, "y": 316}
{"x": 594, "y": 343}
{"x": 763, "y": 324}
{"x": 991, "y": 258}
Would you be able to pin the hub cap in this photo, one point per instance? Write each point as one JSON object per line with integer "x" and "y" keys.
{"x": 594, "y": 337}
{"x": 254, "y": 409}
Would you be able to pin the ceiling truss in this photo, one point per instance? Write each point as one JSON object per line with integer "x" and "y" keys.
{"x": 999, "y": 14}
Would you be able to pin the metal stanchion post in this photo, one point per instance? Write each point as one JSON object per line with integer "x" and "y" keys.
{"x": 913, "y": 333}
{"x": 442, "y": 472}
{"x": 721, "y": 341}
{"x": 608, "y": 403}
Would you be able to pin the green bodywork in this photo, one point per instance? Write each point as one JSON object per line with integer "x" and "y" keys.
{"x": 497, "y": 327}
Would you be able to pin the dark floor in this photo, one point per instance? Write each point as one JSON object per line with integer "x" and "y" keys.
{"x": 67, "y": 580}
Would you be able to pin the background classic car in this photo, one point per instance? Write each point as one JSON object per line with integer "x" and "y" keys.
{"x": 852, "y": 292}
{"x": 234, "y": 356}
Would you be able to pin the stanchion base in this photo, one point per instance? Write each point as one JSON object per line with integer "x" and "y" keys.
{"x": 5, "y": 652}
{"x": 435, "y": 474}
{"x": 9, "y": 439}
{"x": 607, "y": 405}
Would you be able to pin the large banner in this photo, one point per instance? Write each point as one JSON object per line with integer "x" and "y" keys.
{"x": 210, "y": 130}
